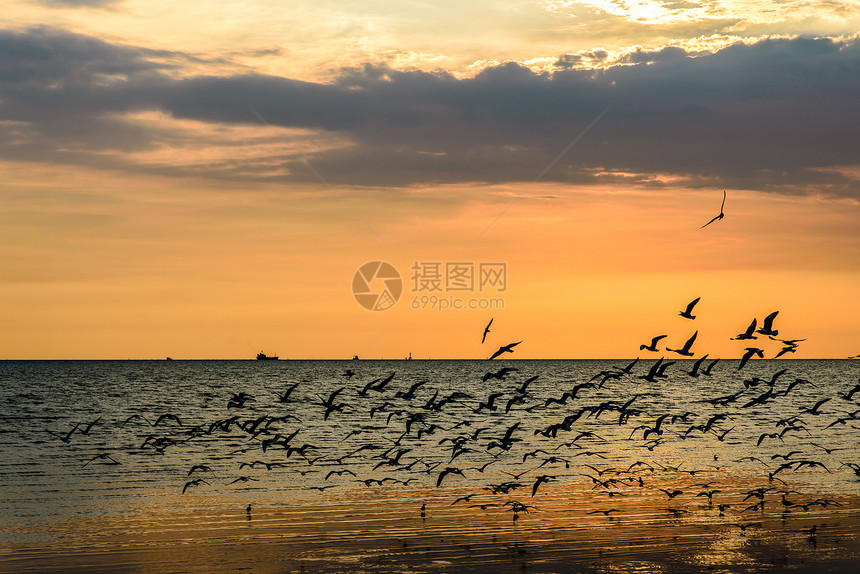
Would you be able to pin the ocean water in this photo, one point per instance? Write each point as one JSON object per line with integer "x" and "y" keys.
{"x": 81, "y": 455}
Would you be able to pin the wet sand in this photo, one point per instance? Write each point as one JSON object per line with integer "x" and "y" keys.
{"x": 374, "y": 532}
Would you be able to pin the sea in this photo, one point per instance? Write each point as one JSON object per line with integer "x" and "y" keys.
{"x": 97, "y": 456}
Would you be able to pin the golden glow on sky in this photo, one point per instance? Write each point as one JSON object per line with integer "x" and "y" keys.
{"x": 165, "y": 233}
{"x": 140, "y": 270}
{"x": 201, "y": 144}
{"x": 310, "y": 39}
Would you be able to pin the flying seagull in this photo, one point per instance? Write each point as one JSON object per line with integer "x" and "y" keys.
{"x": 785, "y": 350}
{"x": 685, "y": 350}
{"x": 486, "y": 330}
{"x": 767, "y": 325}
{"x": 686, "y": 313}
{"x": 505, "y": 349}
{"x": 750, "y": 351}
{"x": 721, "y": 215}
{"x": 748, "y": 334}
{"x": 653, "y": 345}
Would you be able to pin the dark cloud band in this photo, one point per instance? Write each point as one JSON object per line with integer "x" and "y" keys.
{"x": 773, "y": 115}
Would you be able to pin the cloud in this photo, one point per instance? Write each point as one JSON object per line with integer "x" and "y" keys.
{"x": 78, "y": 3}
{"x": 776, "y": 114}
{"x": 588, "y": 59}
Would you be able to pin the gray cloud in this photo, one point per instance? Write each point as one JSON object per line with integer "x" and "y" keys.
{"x": 583, "y": 59}
{"x": 767, "y": 115}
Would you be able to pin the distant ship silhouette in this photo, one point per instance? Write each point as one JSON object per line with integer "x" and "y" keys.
{"x": 261, "y": 356}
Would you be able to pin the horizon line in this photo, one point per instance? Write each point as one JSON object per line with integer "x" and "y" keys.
{"x": 288, "y": 359}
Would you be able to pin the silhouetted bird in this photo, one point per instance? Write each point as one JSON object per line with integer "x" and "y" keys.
{"x": 629, "y": 368}
{"x": 710, "y": 366}
{"x": 446, "y": 472}
{"x": 785, "y": 350}
{"x": 767, "y": 435}
{"x": 195, "y": 482}
{"x": 90, "y": 425}
{"x": 687, "y": 313}
{"x": 201, "y": 467}
{"x": 694, "y": 372}
{"x": 685, "y": 350}
{"x": 500, "y": 374}
{"x": 285, "y": 398}
{"x": 522, "y": 388}
{"x": 135, "y": 417}
{"x": 656, "y": 371}
{"x": 721, "y": 215}
{"x": 408, "y": 395}
{"x": 486, "y": 330}
{"x": 653, "y": 346}
{"x": 767, "y": 325}
{"x": 848, "y": 396}
{"x": 748, "y": 334}
{"x": 67, "y": 438}
{"x": 750, "y": 351}
{"x": 541, "y": 479}
{"x": 814, "y": 409}
{"x": 102, "y": 456}
{"x": 603, "y": 512}
{"x": 788, "y": 342}
{"x": 505, "y": 349}
{"x": 166, "y": 417}
{"x": 244, "y": 479}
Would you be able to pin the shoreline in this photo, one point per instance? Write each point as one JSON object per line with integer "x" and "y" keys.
{"x": 390, "y": 536}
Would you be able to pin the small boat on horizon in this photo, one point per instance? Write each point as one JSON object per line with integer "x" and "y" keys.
{"x": 261, "y": 356}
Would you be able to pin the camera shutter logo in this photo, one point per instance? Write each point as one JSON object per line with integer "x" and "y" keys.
{"x": 377, "y": 286}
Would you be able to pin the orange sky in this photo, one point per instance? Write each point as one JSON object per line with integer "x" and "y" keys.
{"x": 135, "y": 226}
{"x": 141, "y": 270}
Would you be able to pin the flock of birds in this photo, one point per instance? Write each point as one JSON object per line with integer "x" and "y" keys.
{"x": 506, "y": 443}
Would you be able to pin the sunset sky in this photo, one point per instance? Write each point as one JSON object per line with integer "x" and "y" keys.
{"x": 203, "y": 179}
